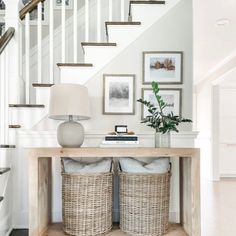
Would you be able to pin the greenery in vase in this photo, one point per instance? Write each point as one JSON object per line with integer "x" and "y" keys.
{"x": 157, "y": 119}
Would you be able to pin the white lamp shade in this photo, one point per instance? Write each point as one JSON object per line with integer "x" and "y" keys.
{"x": 69, "y": 100}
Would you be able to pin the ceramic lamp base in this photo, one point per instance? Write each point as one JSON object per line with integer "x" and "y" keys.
{"x": 70, "y": 134}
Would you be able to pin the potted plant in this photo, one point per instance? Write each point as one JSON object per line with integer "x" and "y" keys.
{"x": 158, "y": 120}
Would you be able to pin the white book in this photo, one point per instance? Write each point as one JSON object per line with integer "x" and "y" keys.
{"x": 119, "y": 142}
{"x": 119, "y": 145}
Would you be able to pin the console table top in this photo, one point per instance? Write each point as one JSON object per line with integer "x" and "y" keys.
{"x": 114, "y": 152}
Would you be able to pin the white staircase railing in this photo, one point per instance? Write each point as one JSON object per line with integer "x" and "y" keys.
{"x": 105, "y": 10}
{"x": 4, "y": 86}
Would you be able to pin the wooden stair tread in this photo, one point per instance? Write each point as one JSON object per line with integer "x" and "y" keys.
{"x": 37, "y": 85}
{"x": 98, "y": 44}
{"x": 7, "y": 146}
{"x": 147, "y": 2}
{"x": 123, "y": 23}
{"x": 14, "y": 126}
{"x": 4, "y": 170}
{"x": 1, "y": 198}
{"x": 75, "y": 64}
{"x": 27, "y": 105}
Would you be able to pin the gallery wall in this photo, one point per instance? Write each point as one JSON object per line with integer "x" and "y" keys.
{"x": 172, "y": 33}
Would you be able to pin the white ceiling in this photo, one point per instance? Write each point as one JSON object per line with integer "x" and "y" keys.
{"x": 212, "y": 43}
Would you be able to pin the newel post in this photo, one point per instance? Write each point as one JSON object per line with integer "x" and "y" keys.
{"x": 13, "y": 49}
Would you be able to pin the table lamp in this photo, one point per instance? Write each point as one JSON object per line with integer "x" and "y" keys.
{"x": 69, "y": 102}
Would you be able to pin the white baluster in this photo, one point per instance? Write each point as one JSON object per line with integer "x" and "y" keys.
{"x": 2, "y": 98}
{"x": 21, "y": 50}
{"x": 98, "y": 20}
{"x": 75, "y": 49}
{"x": 39, "y": 27}
{"x": 110, "y": 10}
{"x": 51, "y": 43}
{"x": 27, "y": 58}
{"x": 86, "y": 20}
{"x": 63, "y": 31}
{"x": 122, "y": 10}
{"x": 6, "y": 103}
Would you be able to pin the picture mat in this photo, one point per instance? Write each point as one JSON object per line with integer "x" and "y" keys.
{"x": 118, "y": 105}
{"x": 171, "y": 96}
{"x": 162, "y": 75}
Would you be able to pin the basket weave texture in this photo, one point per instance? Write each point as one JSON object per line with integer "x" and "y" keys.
{"x": 144, "y": 203}
{"x": 87, "y": 203}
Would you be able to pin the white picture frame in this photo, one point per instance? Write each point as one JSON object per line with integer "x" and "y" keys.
{"x": 57, "y": 4}
{"x": 172, "y": 96}
{"x": 119, "y": 94}
{"x": 34, "y": 13}
{"x": 163, "y": 67}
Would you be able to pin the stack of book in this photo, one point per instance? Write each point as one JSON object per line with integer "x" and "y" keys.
{"x": 120, "y": 141}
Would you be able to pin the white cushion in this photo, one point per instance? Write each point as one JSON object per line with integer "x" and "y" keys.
{"x": 74, "y": 166}
{"x": 159, "y": 165}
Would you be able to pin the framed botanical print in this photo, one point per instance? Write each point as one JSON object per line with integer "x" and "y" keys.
{"x": 173, "y": 97}
{"x": 163, "y": 67}
{"x": 118, "y": 94}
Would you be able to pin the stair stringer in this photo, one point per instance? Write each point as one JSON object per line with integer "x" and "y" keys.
{"x": 100, "y": 56}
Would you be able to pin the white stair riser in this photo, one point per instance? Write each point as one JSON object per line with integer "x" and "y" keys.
{"x": 99, "y": 55}
{"x": 121, "y": 34}
{"x": 43, "y": 96}
{"x": 77, "y": 75}
{"x": 26, "y": 117}
{"x": 147, "y": 14}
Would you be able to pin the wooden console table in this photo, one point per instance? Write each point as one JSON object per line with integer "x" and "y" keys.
{"x": 40, "y": 181}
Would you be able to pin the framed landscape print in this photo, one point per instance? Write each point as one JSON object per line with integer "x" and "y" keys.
{"x": 163, "y": 67}
{"x": 171, "y": 96}
{"x": 118, "y": 94}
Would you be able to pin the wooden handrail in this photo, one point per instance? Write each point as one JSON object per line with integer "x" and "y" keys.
{"x": 29, "y": 8}
{"x": 5, "y": 39}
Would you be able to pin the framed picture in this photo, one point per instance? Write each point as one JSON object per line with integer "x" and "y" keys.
{"x": 173, "y": 97}
{"x": 2, "y": 5}
{"x": 34, "y": 13}
{"x": 57, "y": 4}
{"x": 2, "y": 28}
{"x": 163, "y": 67}
{"x": 118, "y": 94}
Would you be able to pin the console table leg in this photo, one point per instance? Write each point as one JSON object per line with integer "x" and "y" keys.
{"x": 39, "y": 195}
{"x": 190, "y": 195}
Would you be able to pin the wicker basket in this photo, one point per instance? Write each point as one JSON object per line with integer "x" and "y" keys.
{"x": 144, "y": 203}
{"x": 87, "y": 203}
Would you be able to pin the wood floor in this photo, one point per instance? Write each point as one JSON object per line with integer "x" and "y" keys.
{"x": 56, "y": 230}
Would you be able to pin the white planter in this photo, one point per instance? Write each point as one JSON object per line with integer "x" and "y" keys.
{"x": 162, "y": 140}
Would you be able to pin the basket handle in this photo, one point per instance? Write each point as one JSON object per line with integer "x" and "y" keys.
{"x": 170, "y": 164}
